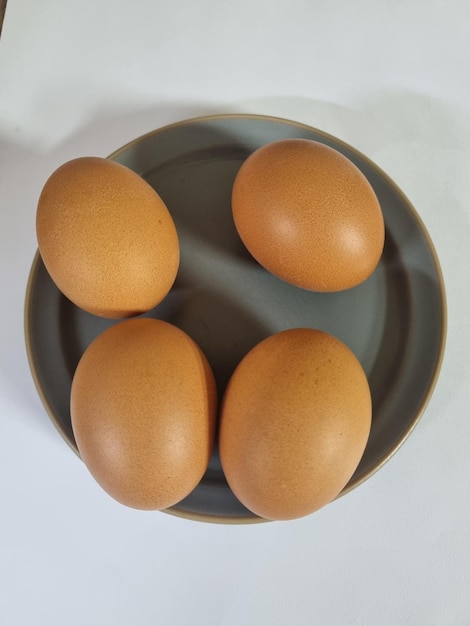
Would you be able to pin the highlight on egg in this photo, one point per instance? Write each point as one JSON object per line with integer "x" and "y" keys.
{"x": 106, "y": 238}
{"x": 308, "y": 215}
{"x": 143, "y": 407}
{"x": 294, "y": 423}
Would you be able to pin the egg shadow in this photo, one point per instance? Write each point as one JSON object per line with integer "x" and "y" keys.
{"x": 224, "y": 330}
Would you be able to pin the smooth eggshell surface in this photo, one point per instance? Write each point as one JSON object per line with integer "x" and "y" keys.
{"x": 106, "y": 238}
{"x": 295, "y": 421}
{"x": 143, "y": 408}
{"x": 308, "y": 215}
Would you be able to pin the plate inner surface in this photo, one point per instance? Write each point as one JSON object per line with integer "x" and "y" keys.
{"x": 394, "y": 322}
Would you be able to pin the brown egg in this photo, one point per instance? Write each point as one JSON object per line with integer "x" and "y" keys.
{"x": 295, "y": 421}
{"x": 143, "y": 408}
{"x": 308, "y": 215}
{"x": 106, "y": 238}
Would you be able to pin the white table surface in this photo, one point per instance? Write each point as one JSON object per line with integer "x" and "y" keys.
{"x": 84, "y": 77}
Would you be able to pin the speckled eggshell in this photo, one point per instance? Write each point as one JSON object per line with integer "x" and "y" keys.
{"x": 106, "y": 238}
{"x": 308, "y": 215}
{"x": 295, "y": 421}
{"x": 143, "y": 407}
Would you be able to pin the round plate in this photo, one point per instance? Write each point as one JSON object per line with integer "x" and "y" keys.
{"x": 394, "y": 322}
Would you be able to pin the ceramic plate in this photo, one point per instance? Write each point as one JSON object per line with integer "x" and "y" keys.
{"x": 394, "y": 321}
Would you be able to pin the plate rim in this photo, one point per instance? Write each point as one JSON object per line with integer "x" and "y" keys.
{"x": 244, "y": 519}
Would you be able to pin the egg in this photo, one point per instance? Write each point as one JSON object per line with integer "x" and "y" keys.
{"x": 106, "y": 238}
{"x": 143, "y": 407}
{"x": 295, "y": 421}
{"x": 308, "y": 215}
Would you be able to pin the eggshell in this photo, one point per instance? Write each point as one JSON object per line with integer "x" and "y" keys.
{"x": 295, "y": 421}
{"x": 106, "y": 238}
{"x": 308, "y": 215}
{"x": 143, "y": 408}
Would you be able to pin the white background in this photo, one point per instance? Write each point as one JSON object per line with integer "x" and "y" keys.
{"x": 84, "y": 77}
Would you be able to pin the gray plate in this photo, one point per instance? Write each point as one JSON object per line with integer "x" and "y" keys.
{"x": 394, "y": 322}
